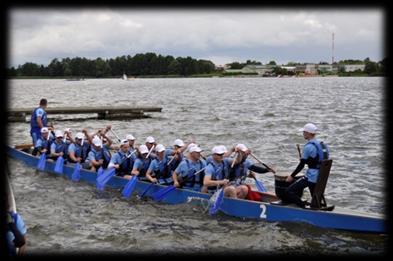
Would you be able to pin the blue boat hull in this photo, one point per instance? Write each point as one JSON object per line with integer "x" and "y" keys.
{"x": 337, "y": 219}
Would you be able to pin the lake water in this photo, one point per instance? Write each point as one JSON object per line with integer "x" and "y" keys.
{"x": 263, "y": 113}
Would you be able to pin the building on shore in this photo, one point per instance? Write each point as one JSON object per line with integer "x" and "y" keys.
{"x": 307, "y": 69}
{"x": 261, "y": 70}
{"x": 352, "y": 67}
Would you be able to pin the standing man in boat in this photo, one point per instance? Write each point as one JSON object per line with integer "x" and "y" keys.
{"x": 313, "y": 153}
{"x": 216, "y": 172}
{"x": 38, "y": 120}
{"x": 184, "y": 175}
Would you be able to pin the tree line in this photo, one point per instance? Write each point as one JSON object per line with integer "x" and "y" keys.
{"x": 138, "y": 65}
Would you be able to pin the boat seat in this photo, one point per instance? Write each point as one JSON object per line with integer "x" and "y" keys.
{"x": 318, "y": 199}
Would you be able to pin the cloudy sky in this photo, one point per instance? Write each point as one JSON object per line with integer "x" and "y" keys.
{"x": 220, "y": 35}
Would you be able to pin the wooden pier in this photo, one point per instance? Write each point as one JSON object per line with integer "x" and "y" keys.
{"x": 104, "y": 112}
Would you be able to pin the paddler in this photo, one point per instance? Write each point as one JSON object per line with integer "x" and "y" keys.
{"x": 95, "y": 158}
{"x": 184, "y": 175}
{"x": 150, "y": 142}
{"x": 142, "y": 163}
{"x": 122, "y": 161}
{"x": 79, "y": 149}
{"x": 43, "y": 142}
{"x": 58, "y": 146}
{"x": 159, "y": 170}
{"x": 177, "y": 152}
{"x": 313, "y": 153}
{"x": 217, "y": 172}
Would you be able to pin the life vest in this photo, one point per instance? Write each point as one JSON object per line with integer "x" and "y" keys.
{"x": 145, "y": 167}
{"x": 33, "y": 121}
{"x": 176, "y": 162}
{"x": 80, "y": 152}
{"x": 238, "y": 172}
{"x": 45, "y": 144}
{"x": 125, "y": 166}
{"x": 220, "y": 172}
{"x": 106, "y": 156}
{"x": 61, "y": 148}
{"x": 163, "y": 169}
{"x": 191, "y": 180}
{"x": 322, "y": 153}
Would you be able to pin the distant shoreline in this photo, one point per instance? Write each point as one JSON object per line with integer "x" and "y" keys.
{"x": 179, "y": 76}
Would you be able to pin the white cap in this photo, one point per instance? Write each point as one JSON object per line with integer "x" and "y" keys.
{"x": 178, "y": 142}
{"x": 159, "y": 148}
{"x": 309, "y": 127}
{"x": 220, "y": 149}
{"x": 122, "y": 142}
{"x": 150, "y": 139}
{"x": 97, "y": 141}
{"x": 143, "y": 149}
{"x": 44, "y": 130}
{"x": 194, "y": 148}
{"x": 79, "y": 135}
{"x": 130, "y": 137}
{"x": 191, "y": 145}
{"x": 241, "y": 147}
{"x": 58, "y": 133}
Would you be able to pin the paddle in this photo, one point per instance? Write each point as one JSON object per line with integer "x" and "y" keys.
{"x": 77, "y": 172}
{"x": 100, "y": 172}
{"x": 129, "y": 187}
{"x": 259, "y": 185}
{"x": 41, "y": 162}
{"x": 105, "y": 177}
{"x": 147, "y": 189}
{"x": 115, "y": 135}
{"x": 159, "y": 195}
{"x": 269, "y": 168}
{"x": 298, "y": 150}
{"x": 216, "y": 201}
{"x": 59, "y": 165}
{"x": 151, "y": 149}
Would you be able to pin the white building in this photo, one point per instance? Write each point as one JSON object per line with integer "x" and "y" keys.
{"x": 353, "y": 67}
{"x": 325, "y": 67}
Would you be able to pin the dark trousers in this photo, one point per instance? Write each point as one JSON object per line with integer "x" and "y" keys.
{"x": 297, "y": 188}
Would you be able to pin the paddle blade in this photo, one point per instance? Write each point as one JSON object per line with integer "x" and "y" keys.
{"x": 217, "y": 200}
{"x": 59, "y": 165}
{"x": 105, "y": 177}
{"x": 147, "y": 189}
{"x": 41, "y": 162}
{"x": 129, "y": 187}
{"x": 159, "y": 195}
{"x": 100, "y": 171}
{"x": 77, "y": 172}
{"x": 260, "y": 186}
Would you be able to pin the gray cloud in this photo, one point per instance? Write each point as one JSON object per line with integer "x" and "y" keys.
{"x": 220, "y": 35}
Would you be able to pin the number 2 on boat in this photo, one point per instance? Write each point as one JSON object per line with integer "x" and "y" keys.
{"x": 263, "y": 212}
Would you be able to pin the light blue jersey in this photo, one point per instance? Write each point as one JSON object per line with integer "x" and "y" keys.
{"x": 310, "y": 150}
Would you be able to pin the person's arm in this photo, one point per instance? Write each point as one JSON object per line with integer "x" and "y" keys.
{"x": 135, "y": 168}
{"x": 149, "y": 171}
{"x": 179, "y": 170}
{"x": 207, "y": 181}
{"x": 299, "y": 167}
{"x": 71, "y": 153}
{"x": 115, "y": 159}
{"x": 39, "y": 114}
{"x": 258, "y": 169}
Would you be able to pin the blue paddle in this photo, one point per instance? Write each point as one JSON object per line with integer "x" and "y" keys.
{"x": 217, "y": 199}
{"x": 159, "y": 195}
{"x": 100, "y": 171}
{"x": 59, "y": 165}
{"x": 259, "y": 184}
{"x": 77, "y": 172}
{"x": 147, "y": 189}
{"x": 105, "y": 177}
{"x": 129, "y": 187}
{"x": 41, "y": 162}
